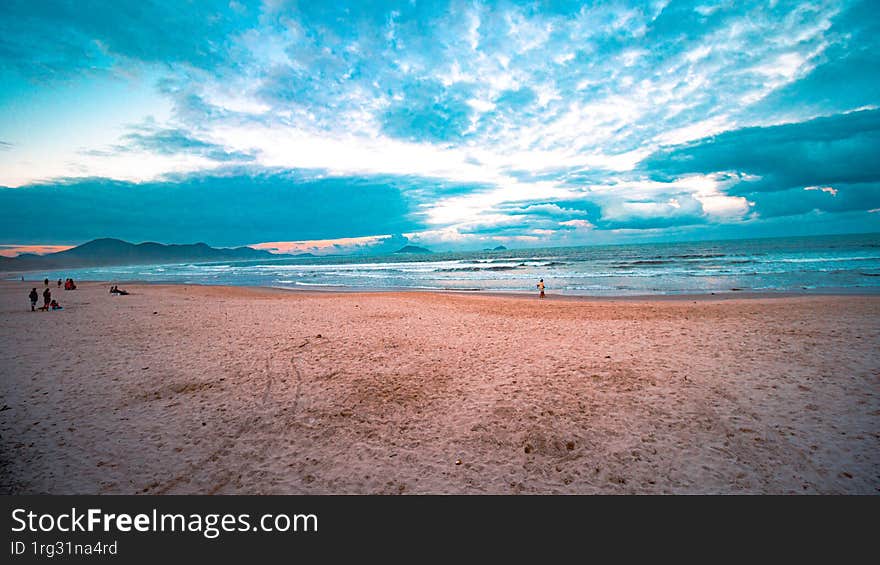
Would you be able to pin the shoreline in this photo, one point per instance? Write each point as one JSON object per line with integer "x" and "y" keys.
{"x": 550, "y": 295}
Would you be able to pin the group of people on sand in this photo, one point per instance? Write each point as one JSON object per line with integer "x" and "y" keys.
{"x": 48, "y": 301}
{"x": 68, "y": 283}
{"x": 50, "y": 304}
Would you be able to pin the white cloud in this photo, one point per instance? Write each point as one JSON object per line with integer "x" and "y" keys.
{"x": 827, "y": 189}
{"x": 563, "y": 58}
{"x": 694, "y": 131}
{"x": 578, "y": 224}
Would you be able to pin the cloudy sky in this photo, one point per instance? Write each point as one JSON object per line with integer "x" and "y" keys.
{"x": 348, "y": 126}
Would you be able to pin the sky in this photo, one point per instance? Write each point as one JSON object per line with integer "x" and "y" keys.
{"x": 360, "y": 126}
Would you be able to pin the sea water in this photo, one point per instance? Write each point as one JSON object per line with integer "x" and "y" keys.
{"x": 780, "y": 264}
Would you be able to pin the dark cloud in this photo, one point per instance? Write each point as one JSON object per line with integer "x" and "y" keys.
{"x": 844, "y": 198}
{"x": 837, "y": 149}
{"x": 221, "y": 209}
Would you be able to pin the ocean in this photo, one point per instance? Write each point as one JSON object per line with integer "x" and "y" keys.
{"x": 829, "y": 263}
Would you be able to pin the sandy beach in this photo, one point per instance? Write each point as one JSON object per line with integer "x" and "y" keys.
{"x": 187, "y": 389}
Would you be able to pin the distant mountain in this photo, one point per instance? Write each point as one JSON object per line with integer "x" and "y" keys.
{"x": 413, "y": 249}
{"x": 109, "y": 252}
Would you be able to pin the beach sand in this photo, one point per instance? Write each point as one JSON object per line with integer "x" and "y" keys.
{"x": 188, "y": 389}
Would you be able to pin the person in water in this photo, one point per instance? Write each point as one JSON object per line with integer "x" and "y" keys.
{"x": 34, "y": 297}
{"x": 541, "y": 288}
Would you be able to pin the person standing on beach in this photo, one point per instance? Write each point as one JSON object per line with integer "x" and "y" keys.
{"x": 541, "y": 288}
{"x": 46, "y": 282}
{"x": 47, "y": 296}
{"x": 34, "y": 297}
{"x": 59, "y": 283}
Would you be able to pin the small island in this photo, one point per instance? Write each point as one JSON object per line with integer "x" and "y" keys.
{"x": 413, "y": 249}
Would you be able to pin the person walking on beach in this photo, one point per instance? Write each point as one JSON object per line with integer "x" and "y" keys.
{"x": 47, "y": 297}
{"x": 34, "y": 297}
{"x": 541, "y": 288}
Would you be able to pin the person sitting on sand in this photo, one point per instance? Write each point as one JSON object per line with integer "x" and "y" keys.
{"x": 541, "y": 288}
{"x": 55, "y": 306}
{"x": 47, "y": 298}
{"x": 34, "y": 297}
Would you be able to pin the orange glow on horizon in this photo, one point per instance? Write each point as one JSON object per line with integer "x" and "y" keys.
{"x": 317, "y": 245}
{"x": 15, "y": 250}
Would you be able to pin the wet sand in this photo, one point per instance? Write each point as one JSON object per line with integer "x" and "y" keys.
{"x": 186, "y": 389}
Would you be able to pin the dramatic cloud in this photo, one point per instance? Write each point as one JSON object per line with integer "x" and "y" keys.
{"x": 455, "y": 123}
{"x": 836, "y": 149}
{"x": 229, "y": 209}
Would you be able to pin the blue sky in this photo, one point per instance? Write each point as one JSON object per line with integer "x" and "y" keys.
{"x": 350, "y": 126}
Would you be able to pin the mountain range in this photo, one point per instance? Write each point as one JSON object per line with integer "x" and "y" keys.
{"x": 108, "y": 252}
